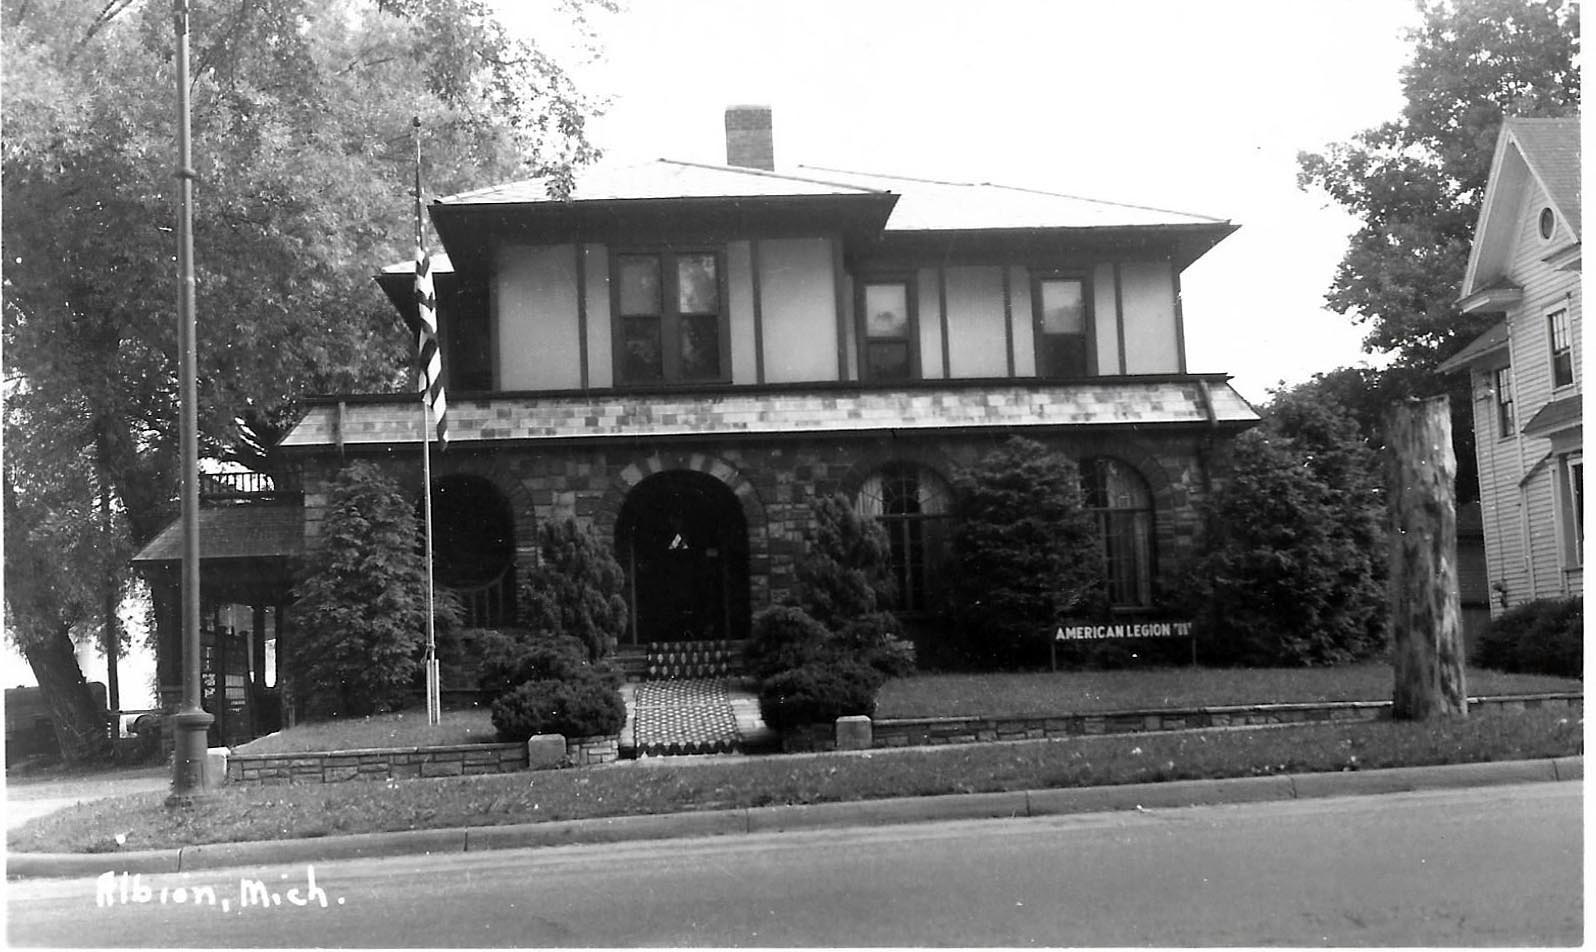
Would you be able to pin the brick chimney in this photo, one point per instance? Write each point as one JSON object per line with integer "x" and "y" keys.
{"x": 748, "y": 139}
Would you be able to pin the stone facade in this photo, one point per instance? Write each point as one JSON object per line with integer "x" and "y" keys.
{"x": 379, "y": 763}
{"x": 774, "y": 482}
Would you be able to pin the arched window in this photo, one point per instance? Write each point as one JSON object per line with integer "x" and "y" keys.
{"x": 1119, "y": 497}
{"x": 912, "y": 503}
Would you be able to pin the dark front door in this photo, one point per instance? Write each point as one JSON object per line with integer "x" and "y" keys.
{"x": 685, "y": 549}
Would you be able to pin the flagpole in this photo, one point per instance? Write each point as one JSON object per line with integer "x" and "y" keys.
{"x": 434, "y": 693}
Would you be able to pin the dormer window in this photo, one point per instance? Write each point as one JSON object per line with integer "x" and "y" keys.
{"x": 672, "y": 319}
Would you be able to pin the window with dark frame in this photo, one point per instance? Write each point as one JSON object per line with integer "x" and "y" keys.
{"x": 671, "y": 321}
{"x": 887, "y": 330}
{"x": 1573, "y": 508}
{"x": 1562, "y": 350}
{"x": 1063, "y": 326}
{"x": 1503, "y": 378}
{"x": 1123, "y": 505}
{"x": 913, "y": 504}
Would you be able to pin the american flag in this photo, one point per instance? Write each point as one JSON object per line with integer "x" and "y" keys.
{"x": 431, "y": 355}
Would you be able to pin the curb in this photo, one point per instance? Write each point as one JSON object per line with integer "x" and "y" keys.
{"x": 775, "y": 819}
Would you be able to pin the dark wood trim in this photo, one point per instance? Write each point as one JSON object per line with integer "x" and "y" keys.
{"x": 942, "y": 308}
{"x": 581, "y": 310}
{"x": 1119, "y": 319}
{"x": 1180, "y": 317}
{"x": 1008, "y": 319}
{"x": 838, "y": 278}
{"x": 756, "y": 287}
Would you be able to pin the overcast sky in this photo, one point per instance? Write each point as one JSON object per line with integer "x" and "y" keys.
{"x": 1196, "y": 107}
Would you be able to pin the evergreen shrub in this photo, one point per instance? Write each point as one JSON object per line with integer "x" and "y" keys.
{"x": 582, "y": 705}
{"x": 1025, "y": 553}
{"x": 819, "y": 693}
{"x": 509, "y": 659}
{"x": 1539, "y": 637}
{"x": 575, "y": 589}
{"x": 783, "y": 637}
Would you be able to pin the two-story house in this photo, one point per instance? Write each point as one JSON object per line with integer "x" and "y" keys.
{"x": 1525, "y": 372}
{"x": 685, "y": 355}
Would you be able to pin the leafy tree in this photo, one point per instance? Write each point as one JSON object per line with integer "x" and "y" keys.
{"x": 301, "y": 130}
{"x": 360, "y": 606}
{"x": 1416, "y": 184}
{"x": 1025, "y": 552}
{"x": 1292, "y": 567}
{"x": 575, "y": 589}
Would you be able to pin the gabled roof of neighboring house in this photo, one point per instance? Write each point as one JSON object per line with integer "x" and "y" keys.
{"x": 234, "y": 532}
{"x": 1560, "y": 414}
{"x": 1492, "y": 340}
{"x": 1529, "y": 152}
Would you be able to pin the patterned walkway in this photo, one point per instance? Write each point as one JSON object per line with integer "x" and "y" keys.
{"x": 691, "y": 716}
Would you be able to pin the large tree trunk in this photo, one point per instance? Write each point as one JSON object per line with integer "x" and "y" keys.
{"x": 76, "y": 715}
{"x": 1426, "y": 614}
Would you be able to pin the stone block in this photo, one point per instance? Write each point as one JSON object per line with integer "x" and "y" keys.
{"x": 339, "y": 774}
{"x": 544, "y": 751}
{"x": 855, "y": 732}
{"x": 447, "y": 768}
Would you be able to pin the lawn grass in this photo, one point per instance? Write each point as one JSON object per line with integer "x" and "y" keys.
{"x": 407, "y": 728}
{"x": 1146, "y": 689}
{"x": 239, "y": 813}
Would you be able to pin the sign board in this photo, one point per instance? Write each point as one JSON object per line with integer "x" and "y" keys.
{"x": 1139, "y": 629}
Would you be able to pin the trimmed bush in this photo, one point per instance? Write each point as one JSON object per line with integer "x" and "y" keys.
{"x": 783, "y": 637}
{"x": 578, "y": 706}
{"x": 819, "y": 693}
{"x": 509, "y": 660}
{"x": 846, "y": 568}
{"x": 877, "y": 640}
{"x": 1540, "y": 637}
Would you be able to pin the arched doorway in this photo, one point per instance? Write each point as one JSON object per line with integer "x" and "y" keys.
{"x": 683, "y": 542}
{"x": 473, "y": 548}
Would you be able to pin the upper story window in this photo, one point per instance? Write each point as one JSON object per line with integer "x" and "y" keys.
{"x": 913, "y": 504}
{"x": 1119, "y": 497}
{"x": 1571, "y": 507}
{"x": 1502, "y": 377}
{"x": 1547, "y": 224}
{"x": 1562, "y": 348}
{"x": 1063, "y": 326}
{"x": 887, "y": 330}
{"x": 671, "y": 325}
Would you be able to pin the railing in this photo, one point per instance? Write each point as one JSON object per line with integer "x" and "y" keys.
{"x": 247, "y": 487}
{"x": 486, "y": 605}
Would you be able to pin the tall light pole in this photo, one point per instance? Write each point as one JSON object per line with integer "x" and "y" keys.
{"x": 191, "y": 722}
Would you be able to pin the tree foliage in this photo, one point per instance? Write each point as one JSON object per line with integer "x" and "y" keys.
{"x": 302, "y": 144}
{"x": 846, "y": 568}
{"x": 360, "y": 608}
{"x": 1415, "y": 183}
{"x": 1025, "y": 552}
{"x": 575, "y": 590}
{"x": 1292, "y": 564}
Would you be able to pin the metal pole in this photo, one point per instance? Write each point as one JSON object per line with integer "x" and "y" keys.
{"x": 434, "y": 692}
{"x": 191, "y": 721}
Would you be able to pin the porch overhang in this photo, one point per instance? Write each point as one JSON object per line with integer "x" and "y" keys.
{"x": 1174, "y": 401}
{"x": 233, "y": 533}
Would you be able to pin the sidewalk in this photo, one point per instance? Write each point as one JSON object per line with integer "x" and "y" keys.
{"x": 1026, "y": 803}
{"x": 28, "y": 797}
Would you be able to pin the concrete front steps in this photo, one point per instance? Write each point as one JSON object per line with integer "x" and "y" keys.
{"x": 690, "y": 697}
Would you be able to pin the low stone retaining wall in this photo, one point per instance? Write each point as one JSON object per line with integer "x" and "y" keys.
{"x": 588, "y": 751}
{"x": 378, "y": 763}
{"x": 925, "y": 731}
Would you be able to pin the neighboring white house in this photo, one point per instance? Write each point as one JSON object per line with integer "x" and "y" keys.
{"x": 1525, "y": 372}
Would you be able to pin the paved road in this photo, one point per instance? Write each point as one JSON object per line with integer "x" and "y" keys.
{"x": 1490, "y": 866}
